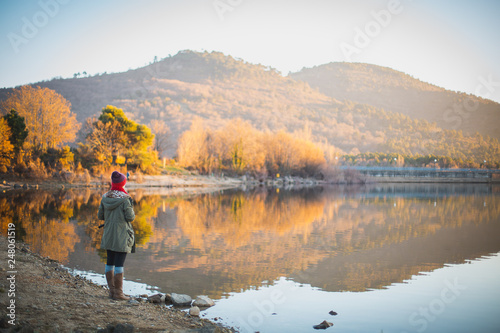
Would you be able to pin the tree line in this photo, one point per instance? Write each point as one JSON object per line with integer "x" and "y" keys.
{"x": 37, "y": 125}
{"x": 238, "y": 148}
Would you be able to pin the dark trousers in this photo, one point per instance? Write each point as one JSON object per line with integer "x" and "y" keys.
{"x": 115, "y": 258}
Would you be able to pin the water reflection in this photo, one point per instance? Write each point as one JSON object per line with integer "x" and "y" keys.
{"x": 455, "y": 298}
{"x": 336, "y": 239}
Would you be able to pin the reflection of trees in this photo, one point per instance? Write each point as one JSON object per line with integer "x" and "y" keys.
{"x": 389, "y": 240}
{"x": 387, "y": 221}
{"x": 51, "y": 237}
{"x": 145, "y": 209}
{"x": 237, "y": 218}
{"x": 86, "y": 213}
{"x": 243, "y": 238}
{"x": 249, "y": 238}
{"x": 42, "y": 219}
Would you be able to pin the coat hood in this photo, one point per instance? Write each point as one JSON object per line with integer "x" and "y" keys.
{"x": 112, "y": 200}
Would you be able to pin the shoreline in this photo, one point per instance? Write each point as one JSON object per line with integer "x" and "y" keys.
{"x": 46, "y": 297}
{"x": 147, "y": 181}
{"x": 203, "y": 184}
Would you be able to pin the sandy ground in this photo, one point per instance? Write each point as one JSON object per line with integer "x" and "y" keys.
{"x": 49, "y": 299}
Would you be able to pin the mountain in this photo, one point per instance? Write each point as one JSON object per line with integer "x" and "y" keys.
{"x": 178, "y": 89}
{"x": 328, "y": 109}
{"x": 395, "y": 91}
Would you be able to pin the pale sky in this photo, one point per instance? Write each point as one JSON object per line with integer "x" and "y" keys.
{"x": 450, "y": 43}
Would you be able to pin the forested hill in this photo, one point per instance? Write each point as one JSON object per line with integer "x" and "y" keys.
{"x": 217, "y": 88}
{"x": 398, "y": 92}
{"x": 177, "y": 89}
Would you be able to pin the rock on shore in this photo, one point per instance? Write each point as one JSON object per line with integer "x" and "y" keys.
{"x": 181, "y": 300}
{"x": 203, "y": 302}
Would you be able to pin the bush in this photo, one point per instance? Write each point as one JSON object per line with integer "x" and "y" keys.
{"x": 139, "y": 177}
{"x": 85, "y": 177}
{"x": 332, "y": 174}
{"x": 36, "y": 169}
{"x": 67, "y": 176}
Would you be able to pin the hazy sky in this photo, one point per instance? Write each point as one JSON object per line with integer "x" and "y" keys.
{"x": 454, "y": 44}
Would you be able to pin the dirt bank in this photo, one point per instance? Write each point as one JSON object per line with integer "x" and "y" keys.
{"x": 47, "y": 298}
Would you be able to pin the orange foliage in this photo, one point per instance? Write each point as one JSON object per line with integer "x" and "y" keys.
{"x": 239, "y": 148}
{"x": 6, "y": 147}
{"x": 51, "y": 238}
{"x": 48, "y": 234}
{"x": 48, "y": 117}
{"x": 237, "y": 218}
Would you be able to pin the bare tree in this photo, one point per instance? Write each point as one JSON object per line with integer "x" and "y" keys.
{"x": 162, "y": 136}
{"x": 192, "y": 149}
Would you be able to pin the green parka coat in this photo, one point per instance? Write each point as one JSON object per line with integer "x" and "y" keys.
{"x": 117, "y": 212}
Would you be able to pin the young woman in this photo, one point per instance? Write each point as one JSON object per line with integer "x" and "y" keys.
{"x": 118, "y": 238}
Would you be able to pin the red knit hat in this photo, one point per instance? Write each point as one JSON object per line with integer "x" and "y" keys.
{"x": 117, "y": 177}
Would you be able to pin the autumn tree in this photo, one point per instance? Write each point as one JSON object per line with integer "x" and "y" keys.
{"x": 113, "y": 135}
{"x": 105, "y": 140}
{"x": 193, "y": 149}
{"x": 279, "y": 152}
{"x": 47, "y": 115}
{"x": 17, "y": 128}
{"x": 162, "y": 136}
{"x": 239, "y": 148}
{"x": 6, "y": 148}
{"x": 61, "y": 158}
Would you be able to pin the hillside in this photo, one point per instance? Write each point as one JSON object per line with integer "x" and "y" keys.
{"x": 218, "y": 88}
{"x": 398, "y": 92}
{"x": 188, "y": 85}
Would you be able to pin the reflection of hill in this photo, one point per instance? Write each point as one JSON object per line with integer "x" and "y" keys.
{"x": 377, "y": 268}
{"x": 217, "y": 243}
{"x": 241, "y": 240}
{"x": 390, "y": 240}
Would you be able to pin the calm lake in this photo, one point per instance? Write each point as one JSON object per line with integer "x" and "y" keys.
{"x": 386, "y": 258}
